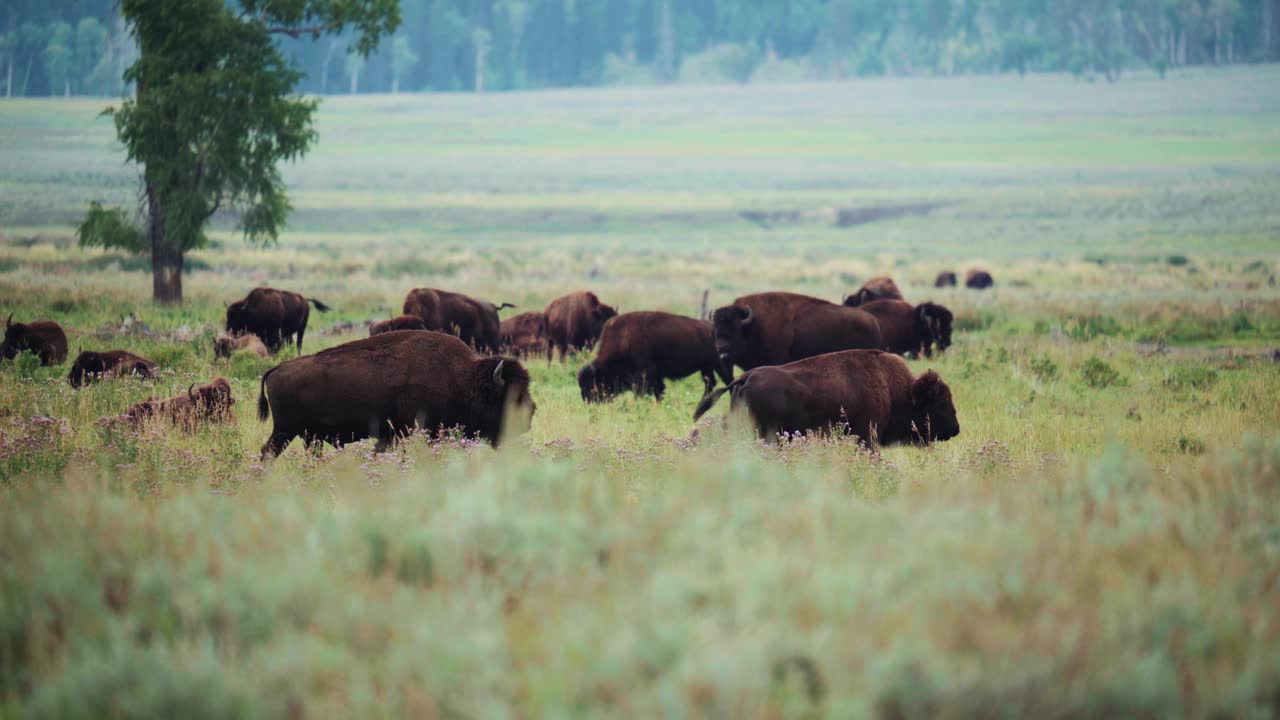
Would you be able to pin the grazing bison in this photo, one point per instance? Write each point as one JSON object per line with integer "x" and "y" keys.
{"x": 524, "y": 334}
{"x": 386, "y": 385}
{"x": 978, "y": 279}
{"x": 474, "y": 321}
{"x": 776, "y": 328}
{"x": 905, "y": 329}
{"x": 946, "y": 278}
{"x": 403, "y": 322}
{"x": 275, "y": 316}
{"x": 206, "y": 404}
{"x": 224, "y": 346}
{"x": 877, "y": 288}
{"x": 575, "y": 322}
{"x": 869, "y": 393}
{"x": 638, "y": 350}
{"x": 43, "y": 337}
{"x": 93, "y": 366}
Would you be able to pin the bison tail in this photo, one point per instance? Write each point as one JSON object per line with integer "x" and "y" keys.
{"x": 319, "y": 305}
{"x": 710, "y": 399}
{"x": 264, "y": 408}
{"x": 504, "y": 306}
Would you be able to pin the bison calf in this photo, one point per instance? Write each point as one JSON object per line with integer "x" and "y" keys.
{"x": 209, "y": 403}
{"x": 43, "y": 337}
{"x": 403, "y": 322}
{"x": 227, "y": 345}
{"x": 385, "y": 386}
{"x": 905, "y": 329}
{"x": 639, "y": 350}
{"x": 93, "y": 366}
{"x": 869, "y": 393}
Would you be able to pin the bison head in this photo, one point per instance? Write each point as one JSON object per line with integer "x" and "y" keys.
{"x": 863, "y": 296}
{"x": 88, "y": 366}
{"x": 732, "y": 326}
{"x": 933, "y": 412}
{"x": 238, "y": 317}
{"x": 933, "y": 325}
{"x": 504, "y": 394}
{"x": 223, "y": 347}
{"x": 600, "y": 315}
{"x": 15, "y": 339}
{"x": 213, "y": 399}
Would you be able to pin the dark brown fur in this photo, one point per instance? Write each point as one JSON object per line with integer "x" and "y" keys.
{"x": 869, "y": 393}
{"x": 946, "y": 278}
{"x": 474, "y": 321}
{"x": 275, "y": 316}
{"x": 978, "y": 279}
{"x": 386, "y": 385}
{"x": 93, "y": 366}
{"x": 575, "y": 321}
{"x": 905, "y": 329}
{"x": 639, "y": 350}
{"x": 877, "y": 288}
{"x": 45, "y": 338}
{"x": 209, "y": 403}
{"x": 776, "y": 328}
{"x": 524, "y": 334}
{"x": 403, "y": 322}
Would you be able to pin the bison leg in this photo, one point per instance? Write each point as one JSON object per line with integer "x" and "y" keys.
{"x": 656, "y": 384}
{"x": 276, "y": 444}
{"x": 301, "y": 331}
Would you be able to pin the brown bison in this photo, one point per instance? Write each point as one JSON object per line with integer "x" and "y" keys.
{"x": 638, "y": 350}
{"x": 93, "y": 366}
{"x": 946, "y": 278}
{"x": 206, "y": 404}
{"x": 776, "y": 328}
{"x": 869, "y": 393}
{"x": 474, "y": 321}
{"x": 403, "y": 322}
{"x": 978, "y": 279}
{"x": 43, "y": 337}
{"x": 575, "y": 322}
{"x": 905, "y": 329}
{"x": 386, "y": 385}
{"x": 275, "y": 316}
{"x": 877, "y": 288}
{"x": 524, "y": 334}
{"x": 224, "y": 346}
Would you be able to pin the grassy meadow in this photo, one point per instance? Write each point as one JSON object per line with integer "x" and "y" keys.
{"x": 1101, "y": 540}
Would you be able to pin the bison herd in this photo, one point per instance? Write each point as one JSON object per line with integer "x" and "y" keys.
{"x": 810, "y": 364}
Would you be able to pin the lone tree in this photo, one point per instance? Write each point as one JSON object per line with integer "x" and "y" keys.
{"x": 213, "y": 116}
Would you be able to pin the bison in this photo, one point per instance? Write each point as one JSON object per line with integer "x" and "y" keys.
{"x": 524, "y": 334}
{"x": 638, "y": 350}
{"x": 575, "y": 322}
{"x": 868, "y": 393}
{"x": 977, "y": 279}
{"x": 224, "y": 346}
{"x": 905, "y": 329}
{"x": 43, "y": 337}
{"x": 209, "y": 403}
{"x": 877, "y": 288}
{"x": 946, "y": 278}
{"x": 384, "y": 386}
{"x": 775, "y": 328}
{"x": 402, "y": 322}
{"x": 275, "y": 316}
{"x": 474, "y": 321}
{"x": 93, "y": 366}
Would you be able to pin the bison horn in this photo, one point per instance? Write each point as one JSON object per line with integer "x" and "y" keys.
{"x": 189, "y": 393}
{"x": 497, "y": 374}
{"x": 8, "y": 322}
{"x": 746, "y": 319}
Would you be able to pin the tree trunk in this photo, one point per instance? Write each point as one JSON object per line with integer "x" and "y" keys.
{"x": 166, "y": 261}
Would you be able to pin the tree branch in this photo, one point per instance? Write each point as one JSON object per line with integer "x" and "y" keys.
{"x": 305, "y": 30}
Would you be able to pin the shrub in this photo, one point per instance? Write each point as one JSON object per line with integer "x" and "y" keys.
{"x": 1087, "y": 327}
{"x": 27, "y": 364}
{"x": 1044, "y": 368}
{"x": 1190, "y": 444}
{"x": 1096, "y": 373}
{"x": 1190, "y": 377}
{"x": 1177, "y": 260}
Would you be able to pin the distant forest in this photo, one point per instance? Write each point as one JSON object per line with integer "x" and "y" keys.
{"x": 81, "y": 47}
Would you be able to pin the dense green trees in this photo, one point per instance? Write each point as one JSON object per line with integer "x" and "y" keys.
{"x": 504, "y": 44}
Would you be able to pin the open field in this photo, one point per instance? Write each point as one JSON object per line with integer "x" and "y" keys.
{"x": 1102, "y": 539}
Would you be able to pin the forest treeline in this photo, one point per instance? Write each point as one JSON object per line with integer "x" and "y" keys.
{"x": 81, "y": 47}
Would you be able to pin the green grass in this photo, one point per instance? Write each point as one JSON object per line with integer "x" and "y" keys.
{"x": 1101, "y": 539}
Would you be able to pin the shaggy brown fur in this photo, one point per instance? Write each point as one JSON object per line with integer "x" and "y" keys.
{"x": 905, "y": 329}
{"x": 946, "y": 278}
{"x": 474, "y": 321}
{"x": 877, "y": 288}
{"x": 403, "y": 322}
{"x": 209, "y": 403}
{"x": 275, "y": 316}
{"x": 524, "y": 334}
{"x": 43, "y": 337}
{"x": 575, "y": 321}
{"x": 226, "y": 345}
{"x": 639, "y": 350}
{"x": 978, "y": 279}
{"x": 778, "y": 327}
{"x": 93, "y": 366}
{"x": 869, "y": 393}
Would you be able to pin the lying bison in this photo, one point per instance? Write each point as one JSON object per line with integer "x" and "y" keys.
{"x": 905, "y": 329}
{"x": 474, "y": 321}
{"x": 93, "y": 366}
{"x": 524, "y": 334}
{"x": 978, "y": 279}
{"x": 868, "y": 393}
{"x": 946, "y": 278}
{"x": 42, "y": 337}
{"x": 776, "y": 328}
{"x": 639, "y": 350}
{"x": 877, "y": 288}
{"x": 224, "y": 346}
{"x": 385, "y": 386}
{"x": 402, "y": 322}
{"x": 275, "y": 316}
{"x": 575, "y": 321}
{"x": 209, "y": 403}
